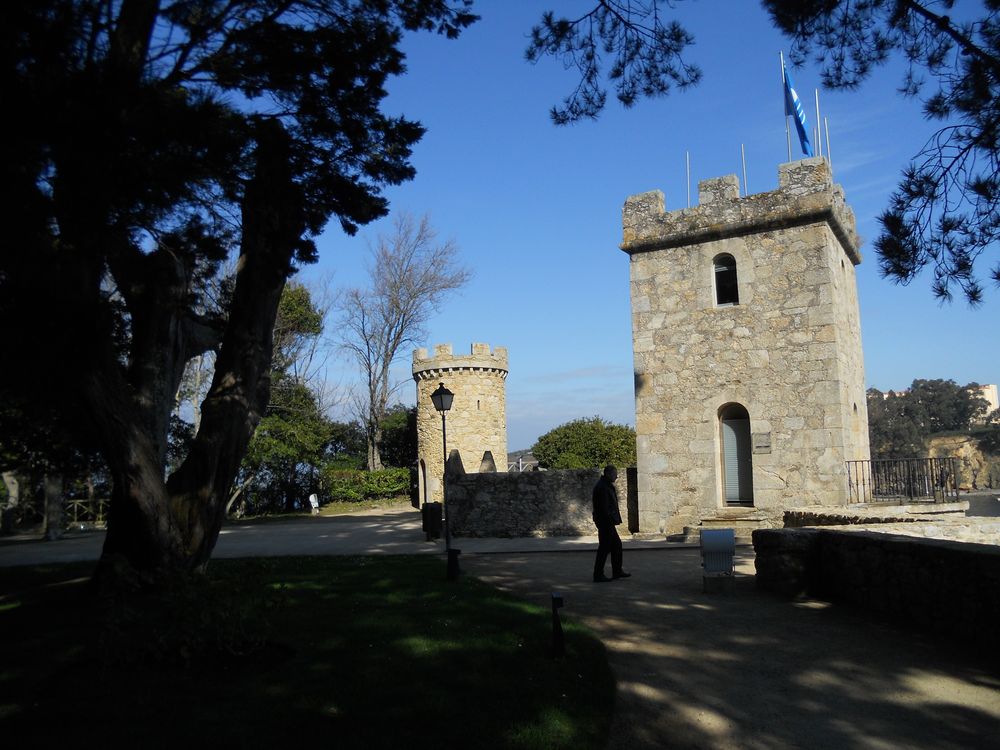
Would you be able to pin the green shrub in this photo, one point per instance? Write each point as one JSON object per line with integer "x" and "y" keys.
{"x": 586, "y": 443}
{"x": 386, "y": 483}
{"x": 349, "y": 486}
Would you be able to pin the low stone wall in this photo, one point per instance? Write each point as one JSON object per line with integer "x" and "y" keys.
{"x": 944, "y": 521}
{"x": 942, "y": 586}
{"x": 532, "y": 503}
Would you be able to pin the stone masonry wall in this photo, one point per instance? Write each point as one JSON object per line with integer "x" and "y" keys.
{"x": 531, "y": 503}
{"x": 789, "y": 352}
{"x": 942, "y": 586}
{"x": 477, "y": 422}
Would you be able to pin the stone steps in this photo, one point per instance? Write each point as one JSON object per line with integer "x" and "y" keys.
{"x": 743, "y": 521}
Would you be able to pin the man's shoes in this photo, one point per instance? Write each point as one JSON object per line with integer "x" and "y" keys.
{"x": 601, "y": 579}
{"x": 622, "y": 574}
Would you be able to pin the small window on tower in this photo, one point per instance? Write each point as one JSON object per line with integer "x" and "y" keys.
{"x": 726, "y": 287}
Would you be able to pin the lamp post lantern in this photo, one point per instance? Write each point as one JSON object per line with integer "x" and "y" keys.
{"x": 442, "y": 399}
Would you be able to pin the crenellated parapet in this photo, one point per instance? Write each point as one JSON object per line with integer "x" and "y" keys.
{"x": 444, "y": 360}
{"x": 806, "y": 195}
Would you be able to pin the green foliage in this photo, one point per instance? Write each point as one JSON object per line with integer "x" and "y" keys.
{"x": 156, "y": 140}
{"x": 586, "y": 443}
{"x": 356, "y": 486}
{"x": 287, "y": 447}
{"x": 399, "y": 436}
{"x": 894, "y": 429}
{"x": 899, "y": 424}
{"x": 644, "y": 50}
{"x": 346, "y": 447}
{"x": 299, "y": 321}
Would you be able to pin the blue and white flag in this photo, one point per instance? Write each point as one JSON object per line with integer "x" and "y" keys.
{"x": 793, "y": 106}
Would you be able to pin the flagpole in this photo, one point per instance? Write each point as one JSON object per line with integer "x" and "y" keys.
{"x": 743, "y": 156}
{"x": 826, "y": 124}
{"x": 819, "y": 128}
{"x": 784, "y": 99}
{"x": 687, "y": 164}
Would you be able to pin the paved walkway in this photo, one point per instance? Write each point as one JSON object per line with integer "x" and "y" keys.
{"x": 738, "y": 669}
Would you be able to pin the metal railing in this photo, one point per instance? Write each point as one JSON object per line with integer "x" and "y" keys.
{"x": 891, "y": 480}
{"x": 86, "y": 510}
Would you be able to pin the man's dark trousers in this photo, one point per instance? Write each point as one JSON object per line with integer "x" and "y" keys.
{"x": 608, "y": 542}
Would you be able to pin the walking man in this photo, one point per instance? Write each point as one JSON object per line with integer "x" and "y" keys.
{"x": 606, "y": 517}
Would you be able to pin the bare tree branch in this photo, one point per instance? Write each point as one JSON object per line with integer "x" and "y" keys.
{"x": 411, "y": 275}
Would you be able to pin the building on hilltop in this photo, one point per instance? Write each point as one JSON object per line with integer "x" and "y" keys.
{"x": 989, "y": 393}
{"x": 749, "y": 377}
{"x": 476, "y": 423}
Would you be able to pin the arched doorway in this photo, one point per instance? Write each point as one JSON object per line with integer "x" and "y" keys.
{"x": 736, "y": 460}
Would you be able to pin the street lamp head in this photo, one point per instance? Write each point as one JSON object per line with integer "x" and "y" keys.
{"x": 442, "y": 398}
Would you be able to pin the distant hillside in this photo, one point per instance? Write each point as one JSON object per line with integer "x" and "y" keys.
{"x": 977, "y": 470}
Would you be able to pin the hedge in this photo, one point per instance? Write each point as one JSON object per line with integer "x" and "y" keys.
{"x": 351, "y": 486}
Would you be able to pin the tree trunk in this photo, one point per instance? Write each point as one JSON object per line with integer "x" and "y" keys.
{"x": 374, "y": 455}
{"x": 160, "y": 528}
{"x": 52, "y": 485}
{"x": 13, "y": 486}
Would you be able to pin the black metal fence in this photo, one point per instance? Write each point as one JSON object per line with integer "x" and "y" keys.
{"x": 891, "y": 480}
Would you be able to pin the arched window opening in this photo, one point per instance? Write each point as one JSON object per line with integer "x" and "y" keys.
{"x": 736, "y": 459}
{"x": 726, "y": 285}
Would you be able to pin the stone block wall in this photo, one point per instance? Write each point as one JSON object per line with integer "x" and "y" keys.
{"x": 531, "y": 503}
{"x": 940, "y": 586}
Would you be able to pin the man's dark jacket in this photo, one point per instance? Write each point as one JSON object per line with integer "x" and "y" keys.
{"x": 606, "y": 512}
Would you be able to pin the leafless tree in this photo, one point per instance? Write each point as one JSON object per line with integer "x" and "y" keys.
{"x": 411, "y": 274}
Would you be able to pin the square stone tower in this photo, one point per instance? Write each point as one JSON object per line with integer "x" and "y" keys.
{"x": 749, "y": 377}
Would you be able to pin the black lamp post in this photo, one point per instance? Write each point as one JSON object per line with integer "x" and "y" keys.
{"x": 442, "y": 399}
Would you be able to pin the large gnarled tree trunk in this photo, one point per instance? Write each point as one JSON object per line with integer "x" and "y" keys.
{"x": 161, "y": 526}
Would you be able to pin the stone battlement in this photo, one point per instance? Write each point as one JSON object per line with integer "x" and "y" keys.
{"x": 427, "y": 366}
{"x": 806, "y": 194}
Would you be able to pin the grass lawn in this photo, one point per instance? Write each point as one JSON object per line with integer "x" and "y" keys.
{"x": 346, "y": 652}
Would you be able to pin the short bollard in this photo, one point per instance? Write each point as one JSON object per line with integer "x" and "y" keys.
{"x": 558, "y": 642}
{"x": 453, "y": 570}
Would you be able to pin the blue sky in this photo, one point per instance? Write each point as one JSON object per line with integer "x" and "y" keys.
{"x": 536, "y": 209}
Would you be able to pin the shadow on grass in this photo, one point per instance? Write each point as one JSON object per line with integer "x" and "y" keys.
{"x": 361, "y": 652}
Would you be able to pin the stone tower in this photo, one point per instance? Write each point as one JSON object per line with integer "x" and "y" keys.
{"x": 477, "y": 422}
{"x": 749, "y": 378}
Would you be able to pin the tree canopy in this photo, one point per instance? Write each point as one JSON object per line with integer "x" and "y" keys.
{"x": 945, "y": 212}
{"x": 646, "y": 54}
{"x": 586, "y": 443}
{"x": 900, "y": 423}
{"x": 155, "y": 139}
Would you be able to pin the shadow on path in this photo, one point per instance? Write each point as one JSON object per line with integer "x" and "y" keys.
{"x": 743, "y": 669}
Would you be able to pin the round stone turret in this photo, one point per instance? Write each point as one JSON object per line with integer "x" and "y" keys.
{"x": 477, "y": 421}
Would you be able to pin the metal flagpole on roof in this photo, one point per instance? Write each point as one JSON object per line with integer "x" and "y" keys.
{"x": 826, "y": 124}
{"x": 687, "y": 164}
{"x": 784, "y": 104}
{"x": 819, "y": 128}
{"x": 743, "y": 157}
